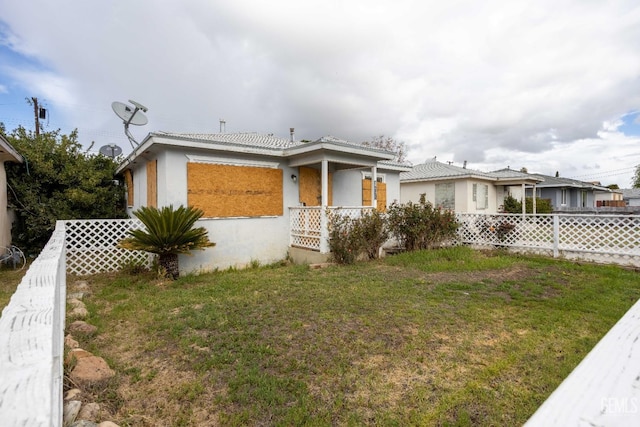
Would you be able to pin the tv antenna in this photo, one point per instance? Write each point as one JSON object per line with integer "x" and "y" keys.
{"x": 130, "y": 116}
{"x": 110, "y": 150}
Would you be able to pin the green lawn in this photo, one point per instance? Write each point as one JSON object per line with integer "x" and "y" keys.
{"x": 447, "y": 337}
{"x": 9, "y": 280}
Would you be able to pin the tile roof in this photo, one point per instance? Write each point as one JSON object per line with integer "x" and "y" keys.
{"x": 433, "y": 169}
{"x": 251, "y": 139}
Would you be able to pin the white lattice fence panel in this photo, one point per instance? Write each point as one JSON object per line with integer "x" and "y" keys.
{"x": 92, "y": 246}
{"x": 504, "y": 230}
{"x": 603, "y": 234}
{"x": 599, "y": 238}
{"x": 305, "y": 227}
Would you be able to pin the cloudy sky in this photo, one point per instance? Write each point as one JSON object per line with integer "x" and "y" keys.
{"x": 551, "y": 85}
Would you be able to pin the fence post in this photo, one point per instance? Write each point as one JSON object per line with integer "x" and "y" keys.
{"x": 556, "y": 235}
{"x": 324, "y": 231}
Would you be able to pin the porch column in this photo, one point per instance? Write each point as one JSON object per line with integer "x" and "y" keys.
{"x": 534, "y": 200}
{"x": 374, "y": 186}
{"x": 324, "y": 231}
{"x": 524, "y": 200}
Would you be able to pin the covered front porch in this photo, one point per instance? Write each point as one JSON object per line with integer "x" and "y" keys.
{"x": 336, "y": 177}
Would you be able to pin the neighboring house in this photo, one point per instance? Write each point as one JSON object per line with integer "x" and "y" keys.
{"x": 246, "y": 184}
{"x": 631, "y": 196}
{"x": 571, "y": 195}
{"x": 7, "y": 154}
{"x": 460, "y": 189}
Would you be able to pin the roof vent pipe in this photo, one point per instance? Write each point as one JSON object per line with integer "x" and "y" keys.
{"x": 464, "y": 165}
{"x": 292, "y": 134}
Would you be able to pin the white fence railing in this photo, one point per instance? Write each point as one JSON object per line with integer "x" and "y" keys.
{"x": 92, "y": 246}
{"x": 599, "y": 238}
{"x": 31, "y": 342}
{"x": 306, "y": 224}
{"x": 604, "y": 389}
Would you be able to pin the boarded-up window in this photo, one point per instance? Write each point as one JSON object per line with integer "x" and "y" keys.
{"x": 381, "y": 193}
{"x": 152, "y": 183}
{"x": 230, "y": 191}
{"x": 310, "y": 187}
{"x": 128, "y": 182}
{"x": 446, "y": 195}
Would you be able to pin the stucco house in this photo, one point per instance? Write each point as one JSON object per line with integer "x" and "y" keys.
{"x": 461, "y": 189}
{"x": 7, "y": 154}
{"x": 631, "y": 196}
{"x": 264, "y": 197}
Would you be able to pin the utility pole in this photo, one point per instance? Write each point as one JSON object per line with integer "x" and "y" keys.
{"x": 35, "y": 115}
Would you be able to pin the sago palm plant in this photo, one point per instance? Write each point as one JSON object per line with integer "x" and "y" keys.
{"x": 168, "y": 232}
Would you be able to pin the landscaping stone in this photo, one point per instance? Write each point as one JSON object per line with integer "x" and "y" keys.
{"x": 79, "y": 312}
{"x": 70, "y": 342}
{"x": 84, "y": 423}
{"x": 108, "y": 424}
{"x": 82, "y": 327}
{"x": 70, "y": 412}
{"x": 76, "y": 295}
{"x": 89, "y": 412}
{"x": 81, "y": 285}
{"x": 88, "y": 369}
{"x": 73, "y": 394}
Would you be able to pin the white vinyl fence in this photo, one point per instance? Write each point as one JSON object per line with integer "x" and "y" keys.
{"x": 611, "y": 239}
{"x": 31, "y": 342}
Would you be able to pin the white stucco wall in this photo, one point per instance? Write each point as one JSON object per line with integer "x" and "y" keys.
{"x": 239, "y": 241}
{"x": 410, "y": 192}
{"x": 347, "y": 187}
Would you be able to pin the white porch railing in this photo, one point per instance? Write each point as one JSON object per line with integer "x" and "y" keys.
{"x": 307, "y": 224}
{"x": 599, "y": 238}
{"x": 31, "y": 342}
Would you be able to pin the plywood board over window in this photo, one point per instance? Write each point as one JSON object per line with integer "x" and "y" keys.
{"x": 234, "y": 191}
{"x": 128, "y": 182}
{"x": 152, "y": 183}
{"x": 310, "y": 187}
{"x": 381, "y": 193}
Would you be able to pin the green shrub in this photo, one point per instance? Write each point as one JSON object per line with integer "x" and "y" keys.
{"x": 342, "y": 242}
{"x": 513, "y": 205}
{"x": 351, "y": 237}
{"x": 420, "y": 225}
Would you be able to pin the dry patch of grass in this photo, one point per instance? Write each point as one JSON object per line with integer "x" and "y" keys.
{"x": 450, "y": 337}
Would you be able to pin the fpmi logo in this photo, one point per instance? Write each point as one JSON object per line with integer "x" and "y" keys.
{"x": 620, "y": 405}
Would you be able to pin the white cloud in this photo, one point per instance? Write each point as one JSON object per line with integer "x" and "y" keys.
{"x": 490, "y": 82}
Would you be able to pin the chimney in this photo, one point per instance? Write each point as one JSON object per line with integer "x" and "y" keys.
{"x": 222, "y": 126}
{"x": 464, "y": 165}
{"x": 292, "y": 134}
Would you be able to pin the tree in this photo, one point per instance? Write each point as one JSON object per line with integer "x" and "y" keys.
{"x": 389, "y": 144}
{"x": 168, "y": 232}
{"x": 57, "y": 181}
{"x": 635, "y": 182}
{"x": 613, "y": 186}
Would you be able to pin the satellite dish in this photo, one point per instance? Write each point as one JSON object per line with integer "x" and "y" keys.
{"x": 130, "y": 116}
{"x": 111, "y": 150}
